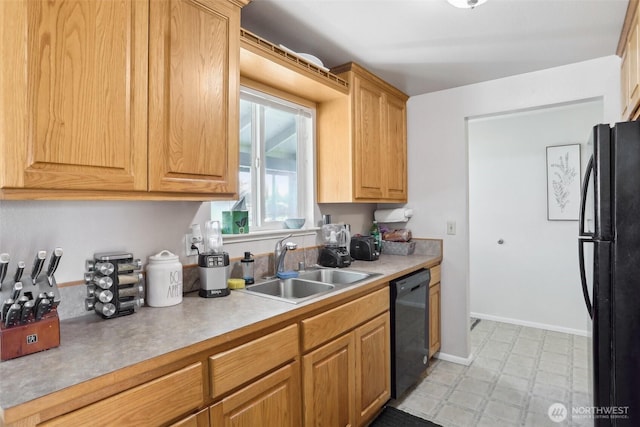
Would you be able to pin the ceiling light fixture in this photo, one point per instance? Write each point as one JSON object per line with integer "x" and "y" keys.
{"x": 466, "y": 4}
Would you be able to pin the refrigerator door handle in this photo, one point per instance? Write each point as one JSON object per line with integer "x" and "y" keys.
{"x": 583, "y": 198}
{"x": 583, "y": 275}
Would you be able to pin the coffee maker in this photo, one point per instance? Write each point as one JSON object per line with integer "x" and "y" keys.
{"x": 334, "y": 252}
{"x": 213, "y": 264}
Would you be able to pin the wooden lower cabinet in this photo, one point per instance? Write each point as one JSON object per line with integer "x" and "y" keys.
{"x": 329, "y": 384}
{"x": 273, "y": 400}
{"x": 154, "y": 403}
{"x": 348, "y": 380}
{"x": 373, "y": 367}
{"x": 331, "y": 369}
{"x": 434, "y": 319}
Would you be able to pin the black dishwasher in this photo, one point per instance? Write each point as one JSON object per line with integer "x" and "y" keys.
{"x": 409, "y": 330}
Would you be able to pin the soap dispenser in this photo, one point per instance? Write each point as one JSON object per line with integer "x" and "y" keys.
{"x": 247, "y": 268}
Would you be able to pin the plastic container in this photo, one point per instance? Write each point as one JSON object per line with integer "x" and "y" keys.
{"x": 247, "y": 268}
{"x": 375, "y": 233}
{"x": 164, "y": 280}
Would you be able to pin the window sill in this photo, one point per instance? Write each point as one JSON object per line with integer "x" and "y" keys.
{"x": 268, "y": 234}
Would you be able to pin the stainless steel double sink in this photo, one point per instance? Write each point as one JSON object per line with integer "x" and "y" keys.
{"x": 308, "y": 285}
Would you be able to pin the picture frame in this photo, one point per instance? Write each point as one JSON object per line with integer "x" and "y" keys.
{"x": 563, "y": 182}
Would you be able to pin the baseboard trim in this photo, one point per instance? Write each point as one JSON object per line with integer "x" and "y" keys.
{"x": 530, "y": 324}
{"x": 455, "y": 359}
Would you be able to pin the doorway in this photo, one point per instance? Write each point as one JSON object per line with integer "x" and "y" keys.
{"x": 523, "y": 267}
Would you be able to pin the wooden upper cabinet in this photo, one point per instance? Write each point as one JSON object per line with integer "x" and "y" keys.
{"x": 74, "y": 94}
{"x": 369, "y": 139}
{"x": 193, "y": 96}
{"x": 629, "y": 50}
{"x": 362, "y": 142}
{"x": 395, "y": 153}
{"x": 119, "y": 99}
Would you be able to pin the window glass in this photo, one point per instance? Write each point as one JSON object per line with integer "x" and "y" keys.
{"x": 276, "y": 150}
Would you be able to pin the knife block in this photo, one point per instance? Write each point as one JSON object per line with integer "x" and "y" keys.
{"x": 30, "y": 338}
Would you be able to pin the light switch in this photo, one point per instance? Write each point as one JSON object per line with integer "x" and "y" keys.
{"x": 451, "y": 227}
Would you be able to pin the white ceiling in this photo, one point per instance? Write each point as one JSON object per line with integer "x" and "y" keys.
{"x": 423, "y": 46}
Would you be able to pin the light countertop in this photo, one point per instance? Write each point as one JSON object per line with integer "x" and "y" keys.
{"x": 91, "y": 347}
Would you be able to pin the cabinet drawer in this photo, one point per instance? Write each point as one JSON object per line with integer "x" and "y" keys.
{"x": 435, "y": 275}
{"x": 239, "y": 365}
{"x": 145, "y": 404}
{"x": 323, "y": 327}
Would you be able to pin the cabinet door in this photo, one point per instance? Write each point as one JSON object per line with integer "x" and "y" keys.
{"x": 624, "y": 84}
{"x": 434, "y": 319}
{"x": 373, "y": 370}
{"x": 329, "y": 384}
{"x": 193, "y": 96}
{"x": 201, "y": 419}
{"x": 271, "y": 401}
{"x": 633, "y": 59}
{"x": 75, "y": 103}
{"x": 369, "y": 135}
{"x": 395, "y": 157}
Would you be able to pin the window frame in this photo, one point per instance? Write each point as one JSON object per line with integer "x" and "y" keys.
{"x": 305, "y": 156}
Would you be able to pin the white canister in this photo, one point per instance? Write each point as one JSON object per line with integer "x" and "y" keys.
{"x": 164, "y": 280}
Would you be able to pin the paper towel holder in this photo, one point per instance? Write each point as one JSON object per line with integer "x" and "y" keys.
{"x": 393, "y": 215}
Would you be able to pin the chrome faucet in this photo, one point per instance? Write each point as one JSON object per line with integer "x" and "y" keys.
{"x": 279, "y": 253}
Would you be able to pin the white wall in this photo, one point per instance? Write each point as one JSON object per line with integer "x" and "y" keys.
{"x": 531, "y": 278}
{"x": 438, "y": 162}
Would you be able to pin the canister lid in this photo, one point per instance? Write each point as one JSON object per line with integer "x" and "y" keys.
{"x": 164, "y": 256}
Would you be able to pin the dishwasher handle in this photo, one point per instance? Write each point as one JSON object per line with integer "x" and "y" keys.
{"x": 412, "y": 282}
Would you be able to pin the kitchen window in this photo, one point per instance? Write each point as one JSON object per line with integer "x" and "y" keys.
{"x": 276, "y": 161}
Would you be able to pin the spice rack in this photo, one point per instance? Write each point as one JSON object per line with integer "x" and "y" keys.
{"x": 114, "y": 284}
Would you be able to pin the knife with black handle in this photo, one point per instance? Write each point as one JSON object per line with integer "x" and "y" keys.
{"x": 27, "y": 311}
{"x": 19, "y": 271}
{"x": 53, "y": 264}
{"x": 51, "y": 296}
{"x": 38, "y": 262}
{"x": 43, "y": 308}
{"x": 5, "y": 307}
{"x": 4, "y": 266}
{"x": 17, "y": 288}
{"x": 41, "y": 296}
{"x": 13, "y": 315}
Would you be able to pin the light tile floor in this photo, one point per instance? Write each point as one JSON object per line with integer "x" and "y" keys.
{"x": 517, "y": 373}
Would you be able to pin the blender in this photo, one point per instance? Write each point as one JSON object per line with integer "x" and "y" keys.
{"x": 334, "y": 252}
{"x": 213, "y": 264}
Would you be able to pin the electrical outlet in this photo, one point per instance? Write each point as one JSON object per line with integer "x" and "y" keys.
{"x": 188, "y": 241}
{"x": 451, "y": 227}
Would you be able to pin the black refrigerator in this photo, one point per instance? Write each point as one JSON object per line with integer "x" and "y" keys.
{"x": 609, "y": 256}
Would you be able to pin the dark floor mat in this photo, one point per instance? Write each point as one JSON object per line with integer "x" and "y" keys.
{"x": 392, "y": 417}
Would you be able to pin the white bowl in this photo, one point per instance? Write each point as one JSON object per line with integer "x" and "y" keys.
{"x": 294, "y": 222}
